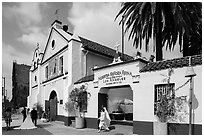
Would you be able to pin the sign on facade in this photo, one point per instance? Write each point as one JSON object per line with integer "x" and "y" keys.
{"x": 115, "y": 77}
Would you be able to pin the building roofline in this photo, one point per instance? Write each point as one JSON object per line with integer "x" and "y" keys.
{"x": 126, "y": 62}
{"x": 85, "y": 79}
{"x": 172, "y": 63}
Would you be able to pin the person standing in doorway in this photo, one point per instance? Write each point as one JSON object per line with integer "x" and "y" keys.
{"x": 34, "y": 116}
{"x": 24, "y": 113}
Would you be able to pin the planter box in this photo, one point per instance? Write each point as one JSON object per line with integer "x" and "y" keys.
{"x": 73, "y": 123}
{"x": 160, "y": 128}
{"x": 79, "y": 122}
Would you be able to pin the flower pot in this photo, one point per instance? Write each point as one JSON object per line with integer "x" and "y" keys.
{"x": 73, "y": 123}
{"x": 160, "y": 128}
{"x": 79, "y": 122}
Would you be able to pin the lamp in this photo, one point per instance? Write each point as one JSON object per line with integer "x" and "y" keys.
{"x": 190, "y": 73}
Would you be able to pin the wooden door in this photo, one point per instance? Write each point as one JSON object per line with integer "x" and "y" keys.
{"x": 102, "y": 101}
{"x": 53, "y": 108}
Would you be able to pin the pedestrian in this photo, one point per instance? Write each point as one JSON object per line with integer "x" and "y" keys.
{"x": 104, "y": 120}
{"x": 43, "y": 118}
{"x": 27, "y": 124}
{"x": 34, "y": 116}
{"x": 24, "y": 113}
{"x": 7, "y": 118}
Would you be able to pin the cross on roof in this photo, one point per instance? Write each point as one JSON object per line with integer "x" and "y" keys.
{"x": 56, "y": 13}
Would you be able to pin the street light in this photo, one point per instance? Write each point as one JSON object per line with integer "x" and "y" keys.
{"x": 190, "y": 73}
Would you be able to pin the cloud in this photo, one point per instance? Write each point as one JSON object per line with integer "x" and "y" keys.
{"x": 24, "y": 13}
{"x": 96, "y": 21}
{"x": 34, "y": 35}
{"x": 28, "y": 17}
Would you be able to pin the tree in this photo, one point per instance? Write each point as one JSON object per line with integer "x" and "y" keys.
{"x": 165, "y": 106}
{"x": 166, "y": 22}
{"x": 78, "y": 100}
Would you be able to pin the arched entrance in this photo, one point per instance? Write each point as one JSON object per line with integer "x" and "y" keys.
{"x": 53, "y": 105}
{"x": 119, "y": 102}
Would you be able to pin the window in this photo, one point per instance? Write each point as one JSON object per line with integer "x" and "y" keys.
{"x": 55, "y": 66}
{"x": 61, "y": 101}
{"x": 84, "y": 96}
{"x": 34, "y": 65}
{"x": 53, "y": 44}
{"x": 163, "y": 90}
{"x": 35, "y": 78}
{"x": 61, "y": 65}
{"x": 38, "y": 61}
{"x": 46, "y": 72}
{"x": 49, "y": 69}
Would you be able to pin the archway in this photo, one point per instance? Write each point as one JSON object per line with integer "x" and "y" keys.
{"x": 53, "y": 105}
{"x": 119, "y": 102}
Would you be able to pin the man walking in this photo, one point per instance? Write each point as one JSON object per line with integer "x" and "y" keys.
{"x": 24, "y": 113}
{"x": 34, "y": 116}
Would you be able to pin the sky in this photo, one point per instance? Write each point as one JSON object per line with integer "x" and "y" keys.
{"x": 24, "y": 24}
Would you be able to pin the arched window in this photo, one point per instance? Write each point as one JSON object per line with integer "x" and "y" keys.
{"x": 35, "y": 78}
{"x": 34, "y": 65}
{"x": 53, "y": 44}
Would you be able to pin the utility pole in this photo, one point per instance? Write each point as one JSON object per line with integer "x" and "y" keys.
{"x": 4, "y": 92}
{"x": 123, "y": 37}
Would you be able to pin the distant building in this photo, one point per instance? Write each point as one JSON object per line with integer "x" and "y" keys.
{"x": 20, "y": 84}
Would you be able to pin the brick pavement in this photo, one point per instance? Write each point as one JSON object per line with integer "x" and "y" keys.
{"x": 58, "y": 128}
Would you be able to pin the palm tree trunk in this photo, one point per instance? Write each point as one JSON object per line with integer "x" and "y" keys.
{"x": 185, "y": 46}
{"x": 158, "y": 25}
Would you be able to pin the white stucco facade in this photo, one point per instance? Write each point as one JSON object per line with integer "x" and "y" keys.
{"x": 55, "y": 69}
{"x": 117, "y": 80}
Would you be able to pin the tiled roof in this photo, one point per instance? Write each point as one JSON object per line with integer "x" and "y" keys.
{"x": 96, "y": 47}
{"x": 174, "y": 63}
{"x": 85, "y": 79}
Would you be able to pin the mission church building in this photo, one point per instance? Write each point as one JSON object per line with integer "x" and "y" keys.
{"x": 65, "y": 59}
{"x": 70, "y": 61}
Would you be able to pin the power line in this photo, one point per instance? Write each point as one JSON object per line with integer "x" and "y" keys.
{"x": 182, "y": 85}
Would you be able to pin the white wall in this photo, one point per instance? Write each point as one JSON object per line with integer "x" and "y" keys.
{"x": 33, "y": 98}
{"x": 144, "y": 92}
{"x": 114, "y": 93}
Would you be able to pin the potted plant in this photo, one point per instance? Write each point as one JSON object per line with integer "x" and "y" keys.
{"x": 164, "y": 111}
{"x": 77, "y": 103}
{"x": 164, "y": 107}
{"x": 39, "y": 108}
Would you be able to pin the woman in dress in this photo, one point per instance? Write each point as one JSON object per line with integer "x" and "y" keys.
{"x": 104, "y": 120}
{"x": 27, "y": 124}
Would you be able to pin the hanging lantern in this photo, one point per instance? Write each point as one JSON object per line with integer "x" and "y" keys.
{"x": 190, "y": 72}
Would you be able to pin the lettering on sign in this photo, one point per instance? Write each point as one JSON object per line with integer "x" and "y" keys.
{"x": 115, "y": 77}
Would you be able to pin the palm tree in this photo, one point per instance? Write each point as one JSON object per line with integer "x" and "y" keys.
{"x": 166, "y": 22}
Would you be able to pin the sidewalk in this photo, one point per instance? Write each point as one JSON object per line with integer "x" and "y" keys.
{"x": 58, "y": 128}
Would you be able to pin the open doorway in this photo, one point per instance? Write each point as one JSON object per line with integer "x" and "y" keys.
{"x": 53, "y": 105}
{"x": 119, "y": 102}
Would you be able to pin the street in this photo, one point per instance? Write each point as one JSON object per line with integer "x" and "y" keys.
{"x": 58, "y": 128}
